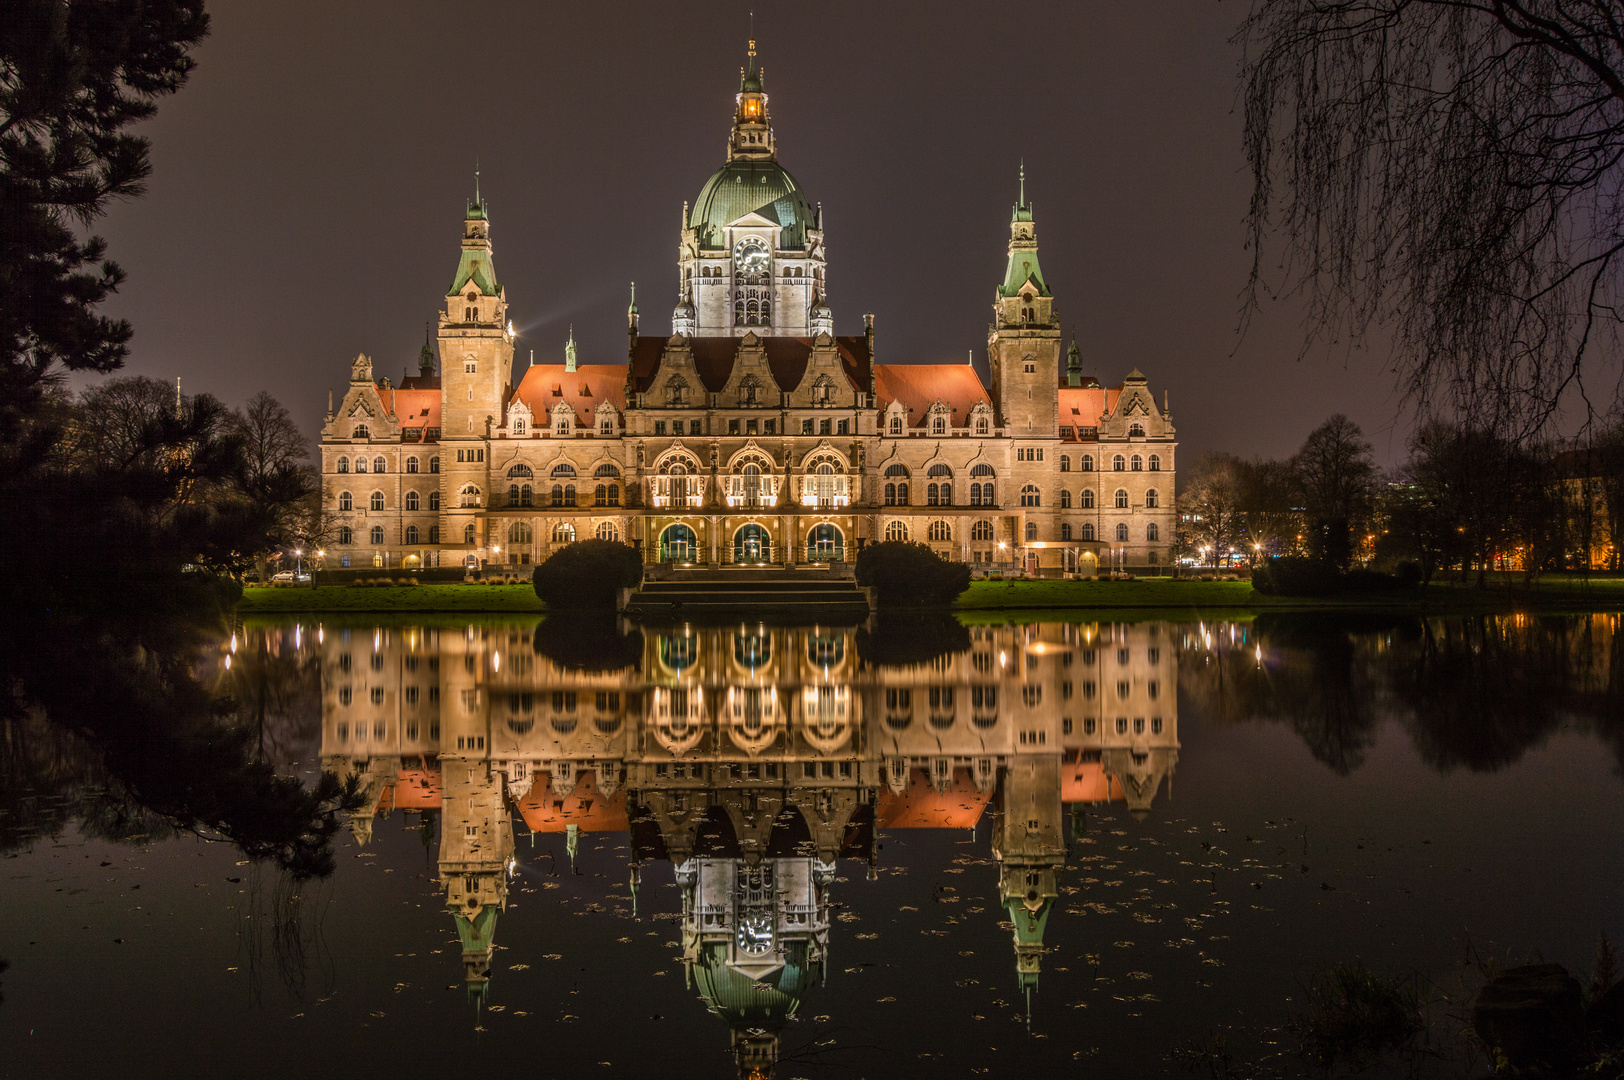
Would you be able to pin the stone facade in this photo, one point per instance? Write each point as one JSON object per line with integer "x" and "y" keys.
{"x": 752, "y": 433}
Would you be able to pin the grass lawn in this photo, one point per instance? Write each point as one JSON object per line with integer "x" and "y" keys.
{"x": 434, "y": 596}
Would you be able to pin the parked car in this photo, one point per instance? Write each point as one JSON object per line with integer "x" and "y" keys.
{"x": 288, "y": 577}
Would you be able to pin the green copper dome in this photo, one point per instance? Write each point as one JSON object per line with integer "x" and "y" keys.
{"x": 746, "y": 1003}
{"x": 742, "y": 187}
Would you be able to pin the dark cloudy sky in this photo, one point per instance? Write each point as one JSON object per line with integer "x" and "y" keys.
{"x": 309, "y": 184}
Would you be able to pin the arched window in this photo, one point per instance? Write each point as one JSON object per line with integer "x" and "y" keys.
{"x": 412, "y": 500}
{"x": 344, "y": 464}
{"x": 1118, "y": 463}
{"x": 608, "y": 531}
{"x": 569, "y": 495}
{"x": 1085, "y": 499}
{"x": 1065, "y": 463}
{"x": 895, "y": 425}
{"x": 411, "y": 464}
{"x": 434, "y": 500}
{"x": 600, "y": 495}
{"x": 468, "y": 534}
{"x": 377, "y": 500}
{"x": 939, "y": 470}
{"x": 1121, "y": 499}
{"x": 1065, "y": 499}
{"x": 1031, "y": 531}
{"x": 1086, "y": 463}
{"x": 1087, "y": 531}
{"x": 434, "y": 534}
{"x": 434, "y": 464}
{"x": 411, "y": 534}
{"x": 518, "y": 425}
{"x": 360, "y": 432}
{"x": 513, "y": 495}
{"x": 1065, "y": 530}
{"x": 360, "y": 464}
{"x": 1155, "y": 463}
{"x": 825, "y": 543}
{"x": 981, "y": 425}
{"x": 344, "y": 501}
{"x": 563, "y": 423}
{"x": 896, "y": 530}
{"x": 345, "y": 536}
{"x": 1030, "y": 496}
{"x": 378, "y": 464}
{"x": 563, "y": 469}
{"x": 519, "y": 533}
{"x": 563, "y": 533}
{"x": 1151, "y": 498}
{"x": 606, "y": 470}
{"x": 941, "y": 530}
{"x": 1136, "y": 463}
{"x": 1153, "y": 532}
{"x": 1136, "y": 431}
{"x": 520, "y": 470}
{"x": 981, "y": 530}
{"x": 938, "y": 424}
{"x": 377, "y": 534}
{"x": 526, "y": 495}
{"x": 1122, "y": 532}
{"x": 469, "y": 495}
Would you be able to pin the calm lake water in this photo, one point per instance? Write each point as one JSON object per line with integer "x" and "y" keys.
{"x": 914, "y": 849}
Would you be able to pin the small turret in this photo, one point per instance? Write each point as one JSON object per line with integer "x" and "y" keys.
{"x": 569, "y": 351}
{"x": 1074, "y": 364}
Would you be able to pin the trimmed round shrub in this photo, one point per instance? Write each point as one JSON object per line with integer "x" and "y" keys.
{"x": 587, "y": 574}
{"x": 907, "y": 574}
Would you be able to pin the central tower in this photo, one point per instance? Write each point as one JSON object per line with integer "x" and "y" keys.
{"x": 751, "y": 256}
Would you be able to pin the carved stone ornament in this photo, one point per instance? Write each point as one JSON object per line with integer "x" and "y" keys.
{"x": 361, "y": 369}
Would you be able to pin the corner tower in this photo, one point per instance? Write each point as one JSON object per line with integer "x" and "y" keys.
{"x": 1023, "y": 345}
{"x": 750, "y": 258}
{"x": 476, "y": 339}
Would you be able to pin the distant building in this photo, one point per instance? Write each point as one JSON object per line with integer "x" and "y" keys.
{"x": 751, "y": 433}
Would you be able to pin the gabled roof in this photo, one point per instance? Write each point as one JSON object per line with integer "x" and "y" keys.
{"x": 714, "y": 358}
{"x": 585, "y": 806}
{"x": 414, "y": 408}
{"x": 919, "y": 386}
{"x": 1082, "y": 406}
{"x": 584, "y": 389}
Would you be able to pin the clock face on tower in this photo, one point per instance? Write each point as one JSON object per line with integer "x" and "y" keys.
{"x": 750, "y": 257}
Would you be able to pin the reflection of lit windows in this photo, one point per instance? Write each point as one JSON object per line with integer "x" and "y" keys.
{"x": 1122, "y": 725}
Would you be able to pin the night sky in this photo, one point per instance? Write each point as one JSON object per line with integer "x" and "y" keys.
{"x": 309, "y": 183}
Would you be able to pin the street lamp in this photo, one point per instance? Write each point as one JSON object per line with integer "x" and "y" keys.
{"x": 298, "y": 565}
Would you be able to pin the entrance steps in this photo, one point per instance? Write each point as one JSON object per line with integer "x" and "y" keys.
{"x": 756, "y": 592}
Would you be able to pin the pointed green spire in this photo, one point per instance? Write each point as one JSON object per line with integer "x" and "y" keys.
{"x": 425, "y": 355}
{"x": 1074, "y": 364}
{"x": 569, "y": 350}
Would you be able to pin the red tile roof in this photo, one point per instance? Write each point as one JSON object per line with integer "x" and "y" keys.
{"x": 585, "y": 806}
{"x": 1087, "y": 781}
{"x": 921, "y": 807}
{"x": 414, "y": 408}
{"x": 585, "y": 388}
{"x": 1083, "y": 406}
{"x": 919, "y": 386}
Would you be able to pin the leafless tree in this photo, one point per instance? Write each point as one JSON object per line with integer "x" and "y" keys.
{"x": 1337, "y": 479}
{"x": 1445, "y": 174}
{"x": 1212, "y": 499}
{"x": 277, "y": 474}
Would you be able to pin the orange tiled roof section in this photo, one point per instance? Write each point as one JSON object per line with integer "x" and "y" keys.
{"x": 584, "y": 389}
{"x": 1088, "y": 782}
{"x": 413, "y": 789}
{"x": 918, "y": 386}
{"x": 585, "y": 806}
{"x": 922, "y": 807}
{"x": 1082, "y": 407}
{"x": 413, "y": 408}
{"x": 714, "y": 358}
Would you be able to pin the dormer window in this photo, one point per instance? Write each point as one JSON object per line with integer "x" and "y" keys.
{"x": 470, "y": 367}
{"x": 823, "y": 391}
{"x": 360, "y": 432}
{"x": 981, "y": 425}
{"x": 518, "y": 426}
{"x": 676, "y": 391}
{"x": 896, "y": 425}
{"x": 938, "y": 425}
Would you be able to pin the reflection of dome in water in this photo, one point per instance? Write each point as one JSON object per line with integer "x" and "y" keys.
{"x": 765, "y": 1004}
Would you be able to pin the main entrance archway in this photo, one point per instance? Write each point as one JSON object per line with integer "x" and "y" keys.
{"x": 752, "y": 544}
{"x": 825, "y": 543}
{"x": 678, "y": 544}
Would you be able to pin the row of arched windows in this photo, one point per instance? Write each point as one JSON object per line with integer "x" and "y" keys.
{"x": 380, "y": 465}
{"x": 1119, "y": 463}
{"x": 1085, "y": 499}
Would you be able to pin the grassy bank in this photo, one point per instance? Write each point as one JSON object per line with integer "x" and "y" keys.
{"x": 454, "y": 596}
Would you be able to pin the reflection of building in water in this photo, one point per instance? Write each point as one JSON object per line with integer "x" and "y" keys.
{"x": 752, "y": 758}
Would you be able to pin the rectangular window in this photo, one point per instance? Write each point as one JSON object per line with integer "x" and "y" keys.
{"x": 676, "y": 427}
{"x": 771, "y": 427}
{"x": 750, "y": 427}
{"x": 732, "y": 427}
{"x": 460, "y": 453}
{"x": 806, "y": 427}
{"x": 843, "y": 428}
{"x": 659, "y": 427}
